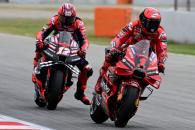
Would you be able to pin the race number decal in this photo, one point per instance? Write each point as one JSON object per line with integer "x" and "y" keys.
{"x": 63, "y": 51}
{"x": 74, "y": 44}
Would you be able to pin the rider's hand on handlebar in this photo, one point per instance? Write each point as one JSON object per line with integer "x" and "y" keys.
{"x": 114, "y": 55}
{"x": 82, "y": 53}
{"x": 115, "y": 52}
{"x": 39, "y": 44}
{"x": 161, "y": 67}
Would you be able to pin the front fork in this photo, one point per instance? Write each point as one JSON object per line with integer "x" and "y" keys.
{"x": 68, "y": 80}
{"x": 42, "y": 81}
{"x": 130, "y": 83}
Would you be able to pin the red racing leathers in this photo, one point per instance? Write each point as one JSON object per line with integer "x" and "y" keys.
{"x": 133, "y": 33}
{"x": 77, "y": 30}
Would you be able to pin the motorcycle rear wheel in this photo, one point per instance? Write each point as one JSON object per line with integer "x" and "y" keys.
{"x": 128, "y": 107}
{"x": 54, "y": 89}
{"x": 97, "y": 113}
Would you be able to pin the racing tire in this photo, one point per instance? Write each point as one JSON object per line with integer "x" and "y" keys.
{"x": 128, "y": 107}
{"x": 97, "y": 114}
{"x": 54, "y": 89}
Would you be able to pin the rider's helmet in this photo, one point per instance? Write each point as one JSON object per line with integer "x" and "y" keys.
{"x": 67, "y": 14}
{"x": 150, "y": 20}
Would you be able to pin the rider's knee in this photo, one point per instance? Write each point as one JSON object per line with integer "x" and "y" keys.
{"x": 89, "y": 71}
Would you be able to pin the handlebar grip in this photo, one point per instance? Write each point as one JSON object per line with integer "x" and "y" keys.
{"x": 107, "y": 50}
{"x": 117, "y": 53}
{"x": 45, "y": 44}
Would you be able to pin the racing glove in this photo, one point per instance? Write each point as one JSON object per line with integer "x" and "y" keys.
{"x": 35, "y": 62}
{"x": 161, "y": 67}
{"x": 82, "y": 53}
{"x": 39, "y": 44}
{"x": 114, "y": 51}
{"x": 114, "y": 55}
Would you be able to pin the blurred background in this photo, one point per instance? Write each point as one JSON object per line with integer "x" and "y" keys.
{"x": 103, "y": 18}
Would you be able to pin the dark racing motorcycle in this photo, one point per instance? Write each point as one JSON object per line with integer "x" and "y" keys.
{"x": 55, "y": 69}
{"x": 125, "y": 84}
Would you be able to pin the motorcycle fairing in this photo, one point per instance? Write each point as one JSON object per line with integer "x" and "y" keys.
{"x": 136, "y": 58}
{"x": 107, "y": 90}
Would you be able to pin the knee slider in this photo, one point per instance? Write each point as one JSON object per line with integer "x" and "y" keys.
{"x": 90, "y": 72}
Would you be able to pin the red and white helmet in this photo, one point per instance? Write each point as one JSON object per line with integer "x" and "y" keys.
{"x": 67, "y": 14}
{"x": 150, "y": 20}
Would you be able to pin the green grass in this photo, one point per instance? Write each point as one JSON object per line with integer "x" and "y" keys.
{"x": 26, "y": 27}
{"x": 181, "y": 48}
{"x": 29, "y": 27}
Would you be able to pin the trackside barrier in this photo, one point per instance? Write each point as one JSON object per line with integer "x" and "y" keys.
{"x": 124, "y": 1}
{"x": 178, "y": 25}
{"x": 110, "y": 20}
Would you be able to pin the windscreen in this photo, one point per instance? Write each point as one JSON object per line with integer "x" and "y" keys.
{"x": 141, "y": 48}
{"x": 142, "y": 53}
{"x": 65, "y": 37}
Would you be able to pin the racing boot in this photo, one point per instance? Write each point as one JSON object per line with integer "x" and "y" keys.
{"x": 82, "y": 85}
{"x": 68, "y": 85}
{"x": 69, "y": 82}
{"x": 79, "y": 95}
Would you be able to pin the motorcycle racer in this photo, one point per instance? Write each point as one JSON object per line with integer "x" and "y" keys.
{"x": 146, "y": 27}
{"x": 67, "y": 20}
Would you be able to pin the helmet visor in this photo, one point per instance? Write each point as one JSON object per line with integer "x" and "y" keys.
{"x": 67, "y": 20}
{"x": 151, "y": 25}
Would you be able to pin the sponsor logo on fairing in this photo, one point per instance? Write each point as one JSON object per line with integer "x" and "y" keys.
{"x": 130, "y": 26}
{"x": 127, "y": 63}
{"x": 105, "y": 86}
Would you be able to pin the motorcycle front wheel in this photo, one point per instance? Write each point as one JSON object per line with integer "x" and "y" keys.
{"x": 128, "y": 106}
{"x": 96, "y": 112}
{"x": 54, "y": 89}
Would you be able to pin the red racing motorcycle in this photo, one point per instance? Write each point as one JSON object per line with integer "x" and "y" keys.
{"x": 55, "y": 69}
{"x": 125, "y": 84}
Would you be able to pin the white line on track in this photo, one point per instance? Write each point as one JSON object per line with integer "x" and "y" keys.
{"x": 9, "y": 123}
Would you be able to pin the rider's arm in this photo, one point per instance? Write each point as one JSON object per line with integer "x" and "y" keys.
{"x": 41, "y": 35}
{"x": 81, "y": 34}
{"x": 161, "y": 47}
{"x": 122, "y": 36}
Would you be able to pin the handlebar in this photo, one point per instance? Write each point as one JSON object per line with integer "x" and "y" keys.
{"x": 114, "y": 53}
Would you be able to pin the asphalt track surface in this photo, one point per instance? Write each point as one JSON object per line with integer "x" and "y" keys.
{"x": 172, "y": 107}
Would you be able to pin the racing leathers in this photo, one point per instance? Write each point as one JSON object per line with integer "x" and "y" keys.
{"x": 77, "y": 29}
{"x": 131, "y": 34}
